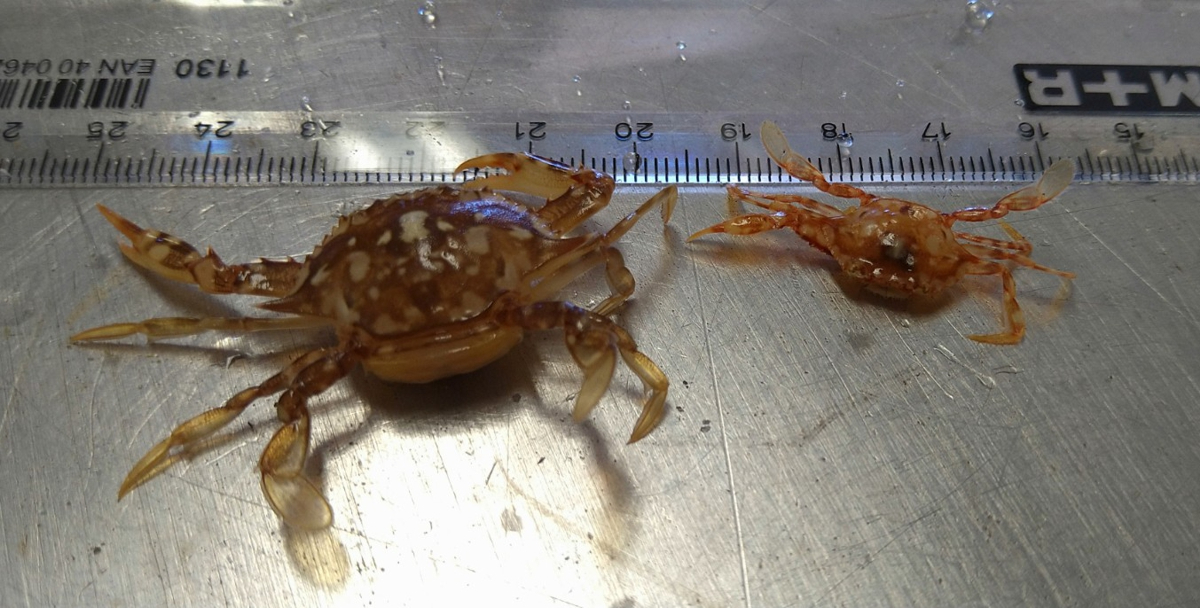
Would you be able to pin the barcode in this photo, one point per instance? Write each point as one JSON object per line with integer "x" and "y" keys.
{"x": 73, "y": 93}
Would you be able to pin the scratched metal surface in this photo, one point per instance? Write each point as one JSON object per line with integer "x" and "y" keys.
{"x": 822, "y": 448}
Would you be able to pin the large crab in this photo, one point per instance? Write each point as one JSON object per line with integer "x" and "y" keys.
{"x": 899, "y": 248}
{"x": 419, "y": 286}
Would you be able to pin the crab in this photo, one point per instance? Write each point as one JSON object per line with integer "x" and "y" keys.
{"x": 418, "y": 286}
{"x": 898, "y": 248}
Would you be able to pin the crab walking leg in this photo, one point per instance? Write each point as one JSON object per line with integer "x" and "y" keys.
{"x": 594, "y": 342}
{"x": 573, "y": 194}
{"x": 548, "y": 279}
{"x": 1015, "y": 250}
{"x": 667, "y": 197}
{"x": 1013, "y": 317}
{"x": 750, "y": 223}
{"x": 1020, "y": 259}
{"x": 173, "y": 258}
{"x": 776, "y": 202}
{"x": 1021, "y": 246}
{"x": 1053, "y": 181}
{"x": 620, "y": 280}
{"x": 292, "y": 495}
{"x": 171, "y": 327}
{"x": 543, "y": 282}
{"x": 206, "y": 424}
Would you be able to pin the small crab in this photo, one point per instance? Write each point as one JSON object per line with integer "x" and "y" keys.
{"x": 899, "y": 248}
{"x": 419, "y": 286}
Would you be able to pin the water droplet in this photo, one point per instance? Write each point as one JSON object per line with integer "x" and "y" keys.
{"x": 681, "y": 45}
{"x": 843, "y": 95}
{"x": 631, "y": 161}
{"x": 306, "y": 104}
{"x": 900, "y": 82}
{"x": 979, "y": 14}
{"x": 626, "y": 105}
{"x": 1020, "y": 103}
{"x": 844, "y": 142}
{"x": 575, "y": 78}
{"x": 427, "y": 14}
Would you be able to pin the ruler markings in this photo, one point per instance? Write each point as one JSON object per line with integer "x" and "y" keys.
{"x": 683, "y": 154}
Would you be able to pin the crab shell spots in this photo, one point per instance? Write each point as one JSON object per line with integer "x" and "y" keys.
{"x": 320, "y": 277}
{"x": 358, "y": 264}
{"x": 336, "y": 306}
{"x": 259, "y": 281}
{"x": 412, "y": 226}
{"x": 422, "y": 260}
{"x": 477, "y": 240}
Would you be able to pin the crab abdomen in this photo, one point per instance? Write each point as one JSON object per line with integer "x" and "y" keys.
{"x": 421, "y": 260}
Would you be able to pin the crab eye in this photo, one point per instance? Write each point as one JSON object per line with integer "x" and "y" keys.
{"x": 896, "y": 248}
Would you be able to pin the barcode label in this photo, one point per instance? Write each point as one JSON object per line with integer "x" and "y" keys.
{"x": 73, "y": 93}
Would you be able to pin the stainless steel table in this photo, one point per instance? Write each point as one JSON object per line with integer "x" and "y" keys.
{"x": 822, "y": 447}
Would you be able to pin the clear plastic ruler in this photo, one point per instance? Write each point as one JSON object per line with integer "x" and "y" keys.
{"x": 68, "y": 122}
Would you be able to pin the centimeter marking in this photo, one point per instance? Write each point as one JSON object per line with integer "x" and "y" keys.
{"x": 265, "y": 168}
{"x": 280, "y": 148}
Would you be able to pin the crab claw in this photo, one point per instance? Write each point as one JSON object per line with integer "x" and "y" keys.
{"x": 525, "y": 173}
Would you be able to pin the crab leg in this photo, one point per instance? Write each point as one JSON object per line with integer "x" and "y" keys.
{"x": 1053, "y": 182}
{"x": 547, "y": 280}
{"x": 748, "y": 223}
{"x": 293, "y": 496}
{"x": 199, "y": 428}
{"x": 1015, "y": 250}
{"x": 290, "y": 494}
{"x": 1014, "y": 318}
{"x": 620, "y": 280}
{"x": 667, "y": 197}
{"x": 778, "y": 202}
{"x": 171, "y": 327}
{"x": 173, "y": 258}
{"x": 798, "y": 166}
{"x": 595, "y": 341}
{"x": 574, "y": 194}
{"x": 1016, "y": 258}
{"x": 1021, "y": 246}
